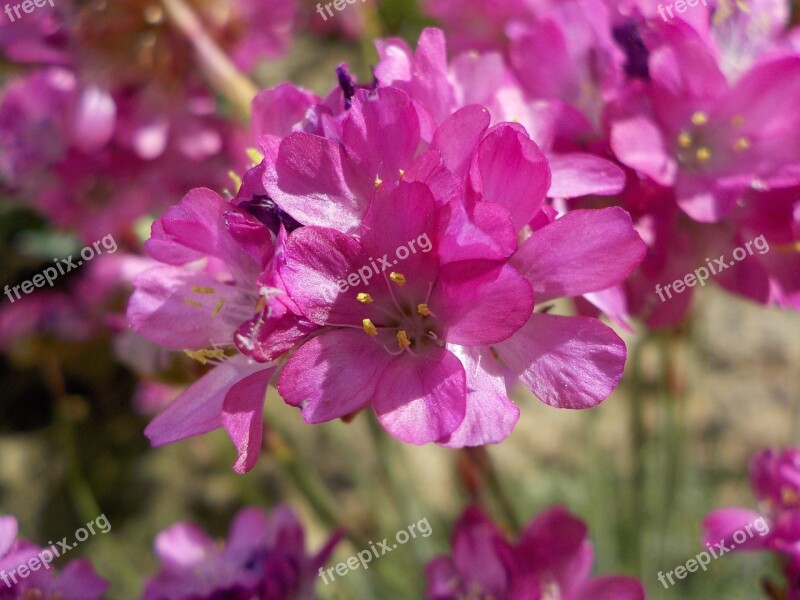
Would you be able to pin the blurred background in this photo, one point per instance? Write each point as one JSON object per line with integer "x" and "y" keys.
{"x": 76, "y": 391}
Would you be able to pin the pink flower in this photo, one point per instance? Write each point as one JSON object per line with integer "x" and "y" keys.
{"x": 432, "y": 346}
{"x": 77, "y": 581}
{"x": 552, "y": 558}
{"x": 775, "y": 479}
{"x": 214, "y": 253}
{"x": 263, "y": 558}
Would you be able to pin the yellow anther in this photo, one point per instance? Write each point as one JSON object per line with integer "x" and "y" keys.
{"x": 153, "y": 14}
{"x": 192, "y": 303}
{"x": 790, "y": 496}
{"x": 255, "y": 155}
{"x": 742, "y": 144}
{"x": 378, "y": 182}
{"x": 423, "y": 309}
{"x": 699, "y": 118}
{"x": 737, "y": 121}
{"x": 703, "y": 154}
{"x": 685, "y": 140}
{"x": 402, "y": 339}
{"x": 202, "y": 290}
{"x": 203, "y": 356}
{"x": 218, "y": 307}
{"x": 398, "y": 278}
{"x": 402, "y": 172}
{"x": 237, "y": 181}
{"x": 369, "y": 328}
{"x": 364, "y": 298}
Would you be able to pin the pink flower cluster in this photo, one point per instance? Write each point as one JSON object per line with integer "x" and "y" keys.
{"x": 775, "y": 480}
{"x": 434, "y": 346}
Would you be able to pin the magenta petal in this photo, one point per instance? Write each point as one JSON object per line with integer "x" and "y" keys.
{"x": 309, "y": 183}
{"x": 459, "y": 135}
{"x": 468, "y": 292}
{"x": 490, "y": 415}
{"x": 611, "y": 587}
{"x": 243, "y": 417}
{"x": 94, "y": 120}
{"x": 568, "y": 362}
{"x": 723, "y": 523}
{"x": 484, "y": 233}
{"x": 581, "y": 174}
{"x": 421, "y": 400}
{"x": 8, "y": 533}
{"x": 277, "y": 110}
{"x": 381, "y": 133}
{"x": 511, "y": 170}
{"x": 333, "y": 375}
{"x": 638, "y": 143}
{"x": 476, "y": 540}
{"x": 183, "y": 545}
{"x": 198, "y": 410}
{"x": 443, "y": 579}
{"x": 166, "y": 309}
{"x": 316, "y": 259}
{"x": 249, "y": 529}
{"x": 583, "y": 251}
{"x": 78, "y": 581}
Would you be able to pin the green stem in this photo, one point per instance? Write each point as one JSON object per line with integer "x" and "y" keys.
{"x": 219, "y": 69}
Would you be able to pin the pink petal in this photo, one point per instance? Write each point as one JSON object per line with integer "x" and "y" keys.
{"x": 422, "y": 400}
{"x": 723, "y": 523}
{"x": 277, "y": 110}
{"x": 310, "y": 183}
{"x": 316, "y": 259}
{"x": 481, "y": 302}
{"x": 243, "y": 417}
{"x": 583, "y": 251}
{"x": 78, "y": 581}
{"x": 183, "y": 545}
{"x": 199, "y": 409}
{"x": 490, "y": 415}
{"x": 166, "y": 309}
{"x": 8, "y": 533}
{"x": 95, "y": 119}
{"x": 568, "y": 362}
{"x": 579, "y": 174}
{"x": 509, "y": 169}
{"x": 381, "y": 133}
{"x": 459, "y": 135}
{"x": 249, "y": 529}
{"x": 333, "y": 374}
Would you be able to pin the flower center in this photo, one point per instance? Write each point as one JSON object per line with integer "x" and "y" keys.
{"x": 406, "y": 323}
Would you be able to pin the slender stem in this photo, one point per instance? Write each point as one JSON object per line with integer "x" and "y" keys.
{"x": 219, "y": 69}
{"x": 309, "y": 484}
{"x": 637, "y": 440}
{"x": 480, "y": 459}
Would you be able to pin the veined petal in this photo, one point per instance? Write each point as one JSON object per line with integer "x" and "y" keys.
{"x": 243, "y": 417}
{"x": 422, "y": 400}
{"x": 568, "y": 362}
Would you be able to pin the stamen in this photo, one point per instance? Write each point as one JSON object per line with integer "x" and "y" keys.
{"x": 398, "y": 278}
{"x": 741, "y": 144}
{"x": 369, "y": 328}
{"x": 202, "y": 290}
{"x": 218, "y": 307}
{"x": 206, "y": 354}
{"x": 685, "y": 140}
{"x": 378, "y": 182}
{"x": 699, "y": 118}
{"x": 237, "y": 181}
{"x": 364, "y": 298}
{"x": 737, "y": 121}
{"x": 402, "y": 339}
{"x": 255, "y": 156}
{"x": 192, "y": 303}
{"x": 423, "y": 310}
{"x": 703, "y": 155}
{"x": 402, "y": 172}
